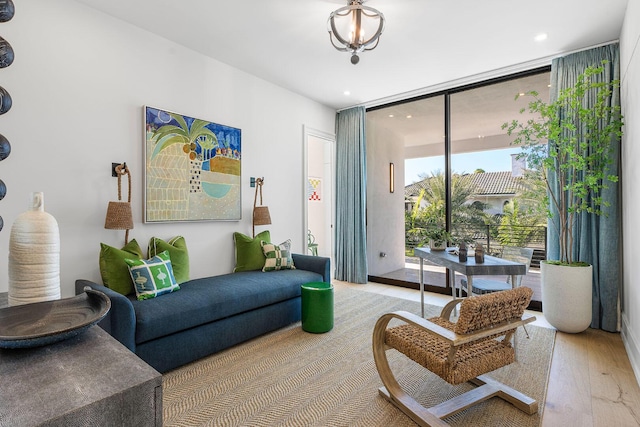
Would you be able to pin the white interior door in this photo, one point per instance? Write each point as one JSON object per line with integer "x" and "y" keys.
{"x": 319, "y": 194}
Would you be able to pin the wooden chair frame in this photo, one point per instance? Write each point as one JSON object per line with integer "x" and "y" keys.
{"x": 488, "y": 388}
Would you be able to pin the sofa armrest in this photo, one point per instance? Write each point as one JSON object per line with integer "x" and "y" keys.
{"x": 120, "y": 321}
{"x": 317, "y": 264}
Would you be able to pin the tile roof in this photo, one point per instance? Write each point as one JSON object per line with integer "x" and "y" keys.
{"x": 486, "y": 183}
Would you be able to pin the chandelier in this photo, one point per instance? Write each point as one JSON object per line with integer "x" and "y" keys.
{"x": 355, "y": 28}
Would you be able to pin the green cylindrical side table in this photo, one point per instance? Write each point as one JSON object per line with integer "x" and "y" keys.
{"x": 317, "y": 307}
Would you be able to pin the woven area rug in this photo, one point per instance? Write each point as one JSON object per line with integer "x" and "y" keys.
{"x": 294, "y": 378}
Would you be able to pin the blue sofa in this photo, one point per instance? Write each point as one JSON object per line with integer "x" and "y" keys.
{"x": 210, "y": 314}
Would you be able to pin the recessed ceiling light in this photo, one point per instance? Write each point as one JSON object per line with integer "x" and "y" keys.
{"x": 391, "y": 115}
{"x": 540, "y": 37}
{"x": 346, "y": 93}
{"x": 521, "y": 94}
{"x": 409, "y": 116}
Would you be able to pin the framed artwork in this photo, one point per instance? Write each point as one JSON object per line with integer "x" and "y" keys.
{"x": 192, "y": 168}
{"x": 314, "y": 189}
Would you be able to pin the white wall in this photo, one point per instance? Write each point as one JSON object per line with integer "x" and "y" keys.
{"x": 385, "y": 210}
{"x": 630, "y": 75}
{"x": 79, "y": 81}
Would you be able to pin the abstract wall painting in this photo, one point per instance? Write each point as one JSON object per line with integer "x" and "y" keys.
{"x": 192, "y": 169}
{"x": 314, "y": 189}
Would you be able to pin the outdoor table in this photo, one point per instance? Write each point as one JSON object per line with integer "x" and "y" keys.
{"x": 447, "y": 258}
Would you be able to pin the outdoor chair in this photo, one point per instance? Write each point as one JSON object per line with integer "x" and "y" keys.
{"x": 478, "y": 343}
{"x": 485, "y": 286}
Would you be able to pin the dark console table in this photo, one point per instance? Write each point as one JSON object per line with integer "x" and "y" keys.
{"x": 89, "y": 380}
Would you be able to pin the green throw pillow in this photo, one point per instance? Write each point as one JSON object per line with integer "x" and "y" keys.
{"x": 152, "y": 277}
{"x": 278, "y": 257}
{"x": 113, "y": 268}
{"x": 177, "y": 248}
{"x": 249, "y": 255}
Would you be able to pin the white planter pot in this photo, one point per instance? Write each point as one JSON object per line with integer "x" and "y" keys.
{"x": 566, "y": 296}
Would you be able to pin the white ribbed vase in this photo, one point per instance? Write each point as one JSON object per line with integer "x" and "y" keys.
{"x": 34, "y": 256}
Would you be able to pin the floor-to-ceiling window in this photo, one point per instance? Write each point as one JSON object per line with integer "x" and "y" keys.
{"x": 461, "y": 172}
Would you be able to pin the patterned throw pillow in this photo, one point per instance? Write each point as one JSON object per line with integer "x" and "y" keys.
{"x": 152, "y": 277}
{"x": 278, "y": 257}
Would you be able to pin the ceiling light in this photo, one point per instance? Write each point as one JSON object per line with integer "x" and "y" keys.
{"x": 540, "y": 37}
{"x": 346, "y": 93}
{"x": 391, "y": 115}
{"x": 409, "y": 116}
{"x": 355, "y": 28}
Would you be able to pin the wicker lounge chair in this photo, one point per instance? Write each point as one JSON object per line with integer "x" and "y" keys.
{"x": 478, "y": 343}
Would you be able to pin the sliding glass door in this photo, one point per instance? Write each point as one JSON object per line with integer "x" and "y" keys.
{"x": 462, "y": 174}
{"x": 490, "y": 202}
{"x": 413, "y": 133}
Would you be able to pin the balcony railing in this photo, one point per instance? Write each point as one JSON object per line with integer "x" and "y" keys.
{"x": 492, "y": 237}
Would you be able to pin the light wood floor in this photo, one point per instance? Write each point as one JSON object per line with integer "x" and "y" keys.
{"x": 591, "y": 383}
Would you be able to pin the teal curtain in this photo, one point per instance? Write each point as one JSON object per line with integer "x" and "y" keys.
{"x": 351, "y": 190}
{"x": 597, "y": 239}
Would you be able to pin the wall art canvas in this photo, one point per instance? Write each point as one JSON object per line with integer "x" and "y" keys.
{"x": 192, "y": 168}
{"x": 315, "y": 189}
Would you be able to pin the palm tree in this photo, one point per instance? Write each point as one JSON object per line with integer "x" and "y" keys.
{"x": 533, "y": 199}
{"x": 194, "y": 138}
{"x": 432, "y": 215}
{"x": 517, "y": 227}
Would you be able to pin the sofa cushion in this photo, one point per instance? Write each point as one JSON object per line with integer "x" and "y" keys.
{"x": 152, "y": 277}
{"x": 113, "y": 269}
{"x": 178, "y": 253}
{"x": 277, "y": 257}
{"x": 205, "y": 300}
{"x": 249, "y": 255}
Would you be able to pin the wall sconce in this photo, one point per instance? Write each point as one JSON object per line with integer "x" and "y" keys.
{"x": 391, "y": 178}
{"x": 261, "y": 214}
{"x": 119, "y": 215}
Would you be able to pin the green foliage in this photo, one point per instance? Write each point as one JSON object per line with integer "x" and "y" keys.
{"x": 438, "y": 236}
{"x": 571, "y": 144}
{"x": 167, "y": 135}
{"x": 517, "y": 227}
{"x": 573, "y": 264}
{"x": 532, "y": 200}
{"x": 428, "y": 222}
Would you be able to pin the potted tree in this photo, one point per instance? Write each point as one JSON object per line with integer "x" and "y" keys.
{"x": 570, "y": 145}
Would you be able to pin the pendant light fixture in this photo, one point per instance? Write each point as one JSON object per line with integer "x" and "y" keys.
{"x": 355, "y": 28}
